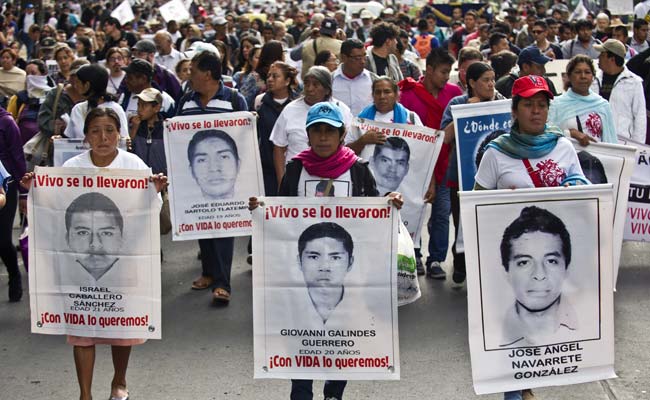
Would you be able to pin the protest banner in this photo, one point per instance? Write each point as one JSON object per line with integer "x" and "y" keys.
{"x": 175, "y": 10}
{"x": 539, "y": 284}
{"x": 94, "y": 253}
{"x": 637, "y": 227}
{"x": 123, "y": 12}
{"x": 214, "y": 167}
{"x": 404, "y": 164}
{"x": 325, "y": 288}
{"x": 66, "y": 148}
{"x": 610, "y": 163}
{"x": 476, "y": 125}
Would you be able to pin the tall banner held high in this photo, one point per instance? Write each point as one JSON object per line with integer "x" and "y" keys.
{"x": 539, "y": 284}
{"x": 325, "y": 288}
{"x": 214, "y": 167}
{"x": 94, "y": 252}
{"x": 403, "y": 164}
{"x": 476, "y": 125}
{"x": 610, "y": 163}
{"x": 637, "y": 227}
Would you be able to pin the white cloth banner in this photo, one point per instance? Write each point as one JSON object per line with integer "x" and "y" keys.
{"x": 637, "y": 227}
{"x": 405, "y": 166}
{"x": 325, "y": 289}
{"x": 94, "y": 252}
{"x": 539, "y": 284}
{"x": 174, "y": 10}
{"x": 214, "y": 167}
{"x": 123, "y": 12}
{"x": 610, "y": 163}
{"x": 66, "y": 148}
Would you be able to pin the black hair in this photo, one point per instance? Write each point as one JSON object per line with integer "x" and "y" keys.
{"x": 617, "y": 59}
{"x": 495, "y": 38}
{"x": 535, "y": 219}
{"x": 350, "y": 44}
{"x": 382, "y": 32}
{"x": 423, "y": 25}
{"x": 592, "y": 168}
{"x": 322, "y": 185}
{"x": 622, "y": 29}
{"x": 98, "y": 112}
{"x": 326, "y": 230}
{"x": 97, "y": 77}
{"x": 271, "y": 52}
{"x": 583, "y": 23}
{"x": 439, "y": 56}
{"x": 208, "y": 61}
{"x": 541, "y": 23}
{"x": 566, "y": 26}
{"x": 112, "y": 21}
{"x": 324, "y": 55}
{"x": 395, "y": 143}
{"x": 42, "y": 68}
{"x": 93, "y": 202}
{"x": 474, "y": 72}
{"x": 639, "y": 22}
{"x": 210, "y": 134}
{"x": 483, "y": 146}
{"x": 502, "y": 62}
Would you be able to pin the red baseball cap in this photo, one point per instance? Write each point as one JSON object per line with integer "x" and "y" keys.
{"x": 530, "y": 85}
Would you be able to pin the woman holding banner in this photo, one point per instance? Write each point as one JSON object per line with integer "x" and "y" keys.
{"x": 533, "y": 154}
{"x": 102, "y": 133}
{"x": 581, "y": 113}
{"x": 327, "y": 159}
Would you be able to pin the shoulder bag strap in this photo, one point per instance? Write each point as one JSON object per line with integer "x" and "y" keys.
{"x": 532, "y": 173}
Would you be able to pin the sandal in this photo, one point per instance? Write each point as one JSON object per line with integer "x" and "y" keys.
{"x": 221, "y": 296}
{"x": 119, "y": 392}
{"x": 202, "y": 282}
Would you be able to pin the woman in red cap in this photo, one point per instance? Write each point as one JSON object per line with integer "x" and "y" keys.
{"x": 533, "y": 154}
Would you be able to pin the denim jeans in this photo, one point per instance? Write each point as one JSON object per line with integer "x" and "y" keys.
{"x": 301, "y": 389}
{"x": 516, "y": 395}
{"x": 216, "y": 260}
{"x": 438, "y": 225}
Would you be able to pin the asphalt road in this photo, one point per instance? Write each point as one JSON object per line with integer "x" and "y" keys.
{"x": 207, "y": 352}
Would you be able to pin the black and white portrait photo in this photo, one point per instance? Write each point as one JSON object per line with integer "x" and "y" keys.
{"x": 214, "y": 163}
{"x": 390, "y": 164}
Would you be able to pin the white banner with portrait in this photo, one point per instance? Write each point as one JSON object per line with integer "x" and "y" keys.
{"x": 403, "y": 164}
{"x": 325, "y": 288}
{"x": 66, "y": 148}
{"x": 539, "y": 284}
{"x": 637, "y": 225}
{"x": 94, "y": 253}
{"x": 610, "y": 163}
{"x": 214, "y": 167}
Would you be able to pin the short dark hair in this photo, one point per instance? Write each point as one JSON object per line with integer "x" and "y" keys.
{"x": 112, "y": 21}
{"x": 622, "y": 29}
{"x": 395, "y": 143}
{"x": 566, "y": 26}
{"x": 350, "y": 44}
{"x": 93, "y": 201}
{"x": 439, "y": 56}
{"x": 583, "y": 23}
{"x": 423, "y": 25}
{"x": 210, "y": 134}
{"x": 639, "y": 22}
{"x": 325, "y": 230}
{"x": 495, "y": 38}
{"x": 210, "y": 62}
{"x": 382, "y": 32}
{"x": 535, "y": 219}
{"x": 541, "y": 23}
{"x": 323, "y": 56}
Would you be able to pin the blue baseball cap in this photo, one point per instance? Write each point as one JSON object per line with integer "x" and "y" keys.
{"x": 326, "y": 112}
{"x": 532, "y": 54}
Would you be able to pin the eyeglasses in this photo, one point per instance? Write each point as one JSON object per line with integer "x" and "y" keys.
{"x": 115, "y": 59}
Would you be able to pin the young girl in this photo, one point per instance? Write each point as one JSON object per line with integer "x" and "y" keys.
{"x": 326, "y": 159}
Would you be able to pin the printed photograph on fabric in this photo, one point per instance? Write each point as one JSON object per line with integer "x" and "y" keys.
{"x": 540, "y": 276}
{"x": 390, "y": 164}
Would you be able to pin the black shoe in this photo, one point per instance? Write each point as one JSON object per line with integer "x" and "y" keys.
{"x": 15, "y": 289}
{"x": 435, "y": 271}
{"x": 419, "y": 266}
{"x": 459, "y": 276}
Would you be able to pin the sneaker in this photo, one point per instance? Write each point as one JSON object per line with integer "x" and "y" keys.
{"x": 435, "y": 271}
{"x": 419, "y": 266}
{"x": 459, "y": 277}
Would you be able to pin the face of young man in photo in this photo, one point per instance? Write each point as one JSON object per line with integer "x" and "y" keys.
{"x": 537, "y": 269}
{"x": 96, "y": 237}
{"x": 390, "y": 167}
{"x": 325, "y": 262}
{"x": 215, "y": 168}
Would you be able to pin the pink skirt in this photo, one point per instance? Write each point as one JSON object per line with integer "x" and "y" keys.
{"x": 91, "y": 341}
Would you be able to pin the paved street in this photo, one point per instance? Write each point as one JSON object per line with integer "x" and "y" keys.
{"x": 207, "y": 352}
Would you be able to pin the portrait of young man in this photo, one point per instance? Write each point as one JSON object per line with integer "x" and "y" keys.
{"x": 536, "y": 255}
{"x": 390, "y": 164}
{"x": 325, "y": 256}
{"x": 214, "y": 163}
{"x": 94, "y": 235}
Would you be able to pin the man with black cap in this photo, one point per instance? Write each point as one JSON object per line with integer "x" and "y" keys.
{"x": 531, "y": 61}
{"x": 139, "y": 74}
{"x": 165, "y": 79}
{"x": 312, "y": 47}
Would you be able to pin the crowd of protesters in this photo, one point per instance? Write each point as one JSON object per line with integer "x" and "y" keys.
{"x": 278, "y": 59}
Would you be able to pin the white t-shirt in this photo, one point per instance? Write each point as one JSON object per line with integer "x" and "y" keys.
{"x": 124, "y": 160}
{"x": 314, "y": 186}
{"x": 499, "y": 171}
{"x": 591, "y": 123}
{"x": 75, "y": 128}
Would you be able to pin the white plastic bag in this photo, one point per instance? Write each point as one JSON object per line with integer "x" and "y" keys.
{"x": 408, "y": 287}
